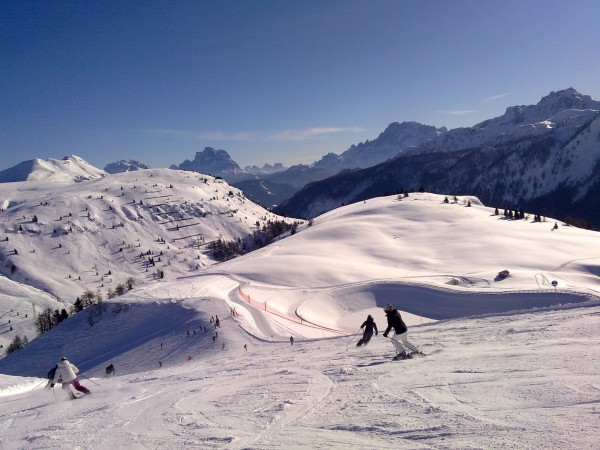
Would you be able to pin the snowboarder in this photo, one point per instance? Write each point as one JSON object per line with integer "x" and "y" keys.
{"x": 291, "y": 340}
{"x": 369, "y": 325}
{"x": 217, "y": 322}
{"x": 394, "y": 320}
{"x": 110, "y": 370}
{"x": 66, "y": 372}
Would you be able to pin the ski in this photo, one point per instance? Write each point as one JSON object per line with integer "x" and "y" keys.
{"x": 77, "y": 397}
{"x": 411, "y": 355}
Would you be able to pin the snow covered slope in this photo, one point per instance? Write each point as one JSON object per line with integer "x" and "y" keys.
{"x": 525, "y": 380}
{"x": 66, "y": 170}
{"x": 491, "y": 378}
{"x": 69, "y": 238}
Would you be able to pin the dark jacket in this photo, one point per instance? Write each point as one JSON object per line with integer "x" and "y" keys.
{"x": 369, "y": 325}
{"x": 52, "y": 372}
{"x": 394, "y": 320}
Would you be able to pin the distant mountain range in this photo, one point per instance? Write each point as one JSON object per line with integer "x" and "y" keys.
{"x": 126, "y": 165}
{"x": 219, "y": 163}
{"x": 544, "y": 158}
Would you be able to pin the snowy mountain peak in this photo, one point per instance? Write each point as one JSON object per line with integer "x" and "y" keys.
{"x": 409, "y": 133}
{"x": 70, "y": 168}
{"x": 551, "y": 105}
{"x": 265, "y": 169}
{"x": 397, "y": 138}
{"x": 126, "y": 165}
{"x": 210, "y": 161}
{"x": 568, "y": 99}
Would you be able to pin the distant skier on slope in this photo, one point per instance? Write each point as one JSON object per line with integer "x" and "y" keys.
{"x": 110, "y": 370}
{"x": 66, "y": 372}
{"x": 394, "y": 320}
{"x": 369, "y": 325}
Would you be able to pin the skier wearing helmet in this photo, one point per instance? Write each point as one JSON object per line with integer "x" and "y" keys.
{"x": 66, "y": 372}
{"x": 369, "y": 325}
{"x": 394, "y": 320}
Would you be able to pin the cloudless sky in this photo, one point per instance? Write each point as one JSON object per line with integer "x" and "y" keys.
{"x": 273, "y": 81}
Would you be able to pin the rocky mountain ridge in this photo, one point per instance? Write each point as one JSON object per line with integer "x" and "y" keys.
{"x": 539, "y": 157}
{"x": 125, "y": 165}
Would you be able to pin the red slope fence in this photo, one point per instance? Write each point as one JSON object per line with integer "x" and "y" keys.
{"x": 294, "y": 318}
{"x": 265, "y": 307}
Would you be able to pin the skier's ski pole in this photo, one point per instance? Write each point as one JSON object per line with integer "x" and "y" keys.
{"x": 91, "y": 380}
{"x": 392, "y": 339}
{"x": 39, "y": 384}
{"x": 352, "y": 338}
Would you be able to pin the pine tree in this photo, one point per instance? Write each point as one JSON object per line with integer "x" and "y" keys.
{"x": 87, "y": 299}
{"x": 119, "y": 289}
{"x": 16, "y": 344}
{"x": 56, "y": 317}
{"x": 77, "y": 306}
{"x": 44, "y": 321}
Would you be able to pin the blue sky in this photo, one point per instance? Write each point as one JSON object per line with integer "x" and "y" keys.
{"x": 273, "y": 81}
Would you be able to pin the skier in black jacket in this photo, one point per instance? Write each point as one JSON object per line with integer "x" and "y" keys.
{"x": 369, "y": 325}
{"x": 110, "y": 371}
{"x": 395, "y": 321}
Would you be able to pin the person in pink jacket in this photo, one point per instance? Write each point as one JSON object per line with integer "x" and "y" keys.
{"x": 66, "y": 372}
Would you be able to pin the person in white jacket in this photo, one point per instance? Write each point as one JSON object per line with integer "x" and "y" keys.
{"x": 66, "y": 372}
